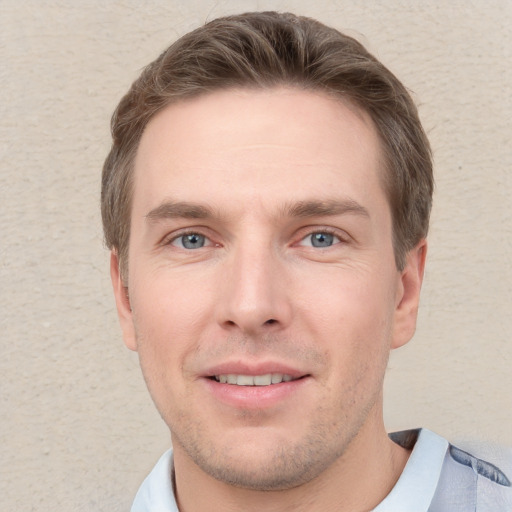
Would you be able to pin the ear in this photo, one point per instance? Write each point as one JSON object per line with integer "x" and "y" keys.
{"x": 408, "y": 295}
{"x": 124, "y": 310}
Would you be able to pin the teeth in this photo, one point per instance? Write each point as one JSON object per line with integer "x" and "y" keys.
{"x": 263, "y": 380}
{"x": 244, "y": 380}
{"x": 253, "y": 380}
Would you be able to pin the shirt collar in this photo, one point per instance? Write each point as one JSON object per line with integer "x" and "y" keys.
{"x": 413, "y": 491}
{"x": 417, "y": 484}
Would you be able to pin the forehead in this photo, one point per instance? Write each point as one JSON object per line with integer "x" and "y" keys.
{"x": 280, "y": 143}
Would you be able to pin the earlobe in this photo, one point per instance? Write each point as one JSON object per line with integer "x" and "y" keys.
{"x": 124, "y": 311}
{"x": 408, "y": 295}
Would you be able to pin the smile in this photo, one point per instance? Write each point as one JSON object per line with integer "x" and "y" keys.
{"x": 254, "y": 380}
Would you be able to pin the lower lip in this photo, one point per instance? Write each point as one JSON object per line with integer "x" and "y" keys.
{"x": 254, "y": 397}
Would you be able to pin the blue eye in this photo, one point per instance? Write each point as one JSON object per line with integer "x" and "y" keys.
{"x": 320, "y": 239}
{"x": 190, "y": 241}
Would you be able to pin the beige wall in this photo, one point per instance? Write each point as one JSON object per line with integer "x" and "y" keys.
{"x": 77, "y": 429}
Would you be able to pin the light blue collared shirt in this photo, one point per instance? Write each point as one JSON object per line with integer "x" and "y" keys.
{"x": 438, "y": 477}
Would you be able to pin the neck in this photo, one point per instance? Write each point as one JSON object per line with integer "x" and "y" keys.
{"x": 358, "y": 481}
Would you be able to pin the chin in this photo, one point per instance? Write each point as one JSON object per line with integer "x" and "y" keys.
{"x": 258, "y": 465}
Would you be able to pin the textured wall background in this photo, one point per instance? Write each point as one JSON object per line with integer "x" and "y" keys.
{"x": 78, "y": 431}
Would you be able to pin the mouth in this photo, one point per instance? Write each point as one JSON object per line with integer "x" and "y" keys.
{"x": 267, "y": 379}
{"x": 240, "y": 386}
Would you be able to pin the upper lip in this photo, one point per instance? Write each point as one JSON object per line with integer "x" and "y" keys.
{"x": 256, "y": 368}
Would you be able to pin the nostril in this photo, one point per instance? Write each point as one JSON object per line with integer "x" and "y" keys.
{"x": 270, "y": 322}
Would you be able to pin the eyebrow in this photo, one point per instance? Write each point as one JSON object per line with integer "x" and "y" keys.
{"x": 301, "y": 209}
{"x": 174, "y": 210}
{"x": 328, "y": 207}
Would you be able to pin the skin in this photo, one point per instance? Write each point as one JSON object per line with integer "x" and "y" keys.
{"x": 250, "y": 177}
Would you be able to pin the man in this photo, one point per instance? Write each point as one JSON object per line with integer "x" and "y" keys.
{"x": 266, "y": 201}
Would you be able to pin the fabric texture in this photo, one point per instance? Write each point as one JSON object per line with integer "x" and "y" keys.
{"x": 438, "y": 477}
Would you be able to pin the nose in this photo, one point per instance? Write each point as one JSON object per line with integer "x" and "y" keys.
{"x": 254, "y": 296}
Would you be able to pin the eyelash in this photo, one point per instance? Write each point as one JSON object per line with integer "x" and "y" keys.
{"x": 167, "y": 241}
{"x": 325, "y": 231}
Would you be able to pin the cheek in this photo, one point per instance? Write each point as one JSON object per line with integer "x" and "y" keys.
{"x": 162, "y": 347}
{"x": 352, "y": 318}
{"x": 167, "y": 322}
{"x": 169, "y": 304}
{"x": 346, "y": 299}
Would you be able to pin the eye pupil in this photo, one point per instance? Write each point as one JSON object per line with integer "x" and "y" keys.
{"x": 322, "y": 239}
{"x": 193, "y": 241}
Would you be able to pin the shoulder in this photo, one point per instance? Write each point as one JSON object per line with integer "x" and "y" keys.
{"x": 485, "y": 460}
{"x": 482, "y": 467}
{"x": 476, "y": 475}
{"x": 441, "y": 476}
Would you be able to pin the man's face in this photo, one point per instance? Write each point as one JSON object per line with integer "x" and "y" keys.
{"x": 263, "y": 291}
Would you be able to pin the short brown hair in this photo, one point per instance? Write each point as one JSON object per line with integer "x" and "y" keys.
{"x": 264, "y": 50}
